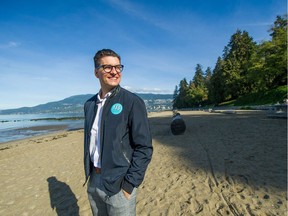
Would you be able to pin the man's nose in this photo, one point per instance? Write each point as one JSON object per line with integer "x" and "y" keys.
{"x": 113, "y": 71}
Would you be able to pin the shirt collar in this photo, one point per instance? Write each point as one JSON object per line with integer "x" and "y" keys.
{"x": 105, "y": 97}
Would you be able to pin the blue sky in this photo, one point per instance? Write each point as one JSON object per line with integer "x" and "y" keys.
{"x": 47, "y": 47}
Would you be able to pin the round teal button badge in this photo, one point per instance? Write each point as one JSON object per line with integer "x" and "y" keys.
{"x": 116, "y": 108}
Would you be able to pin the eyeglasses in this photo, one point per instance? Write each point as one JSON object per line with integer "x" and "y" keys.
{"x": 108, "y": 68}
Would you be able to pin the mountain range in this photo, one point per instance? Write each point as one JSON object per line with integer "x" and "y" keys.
{"x": 74, "y": 104}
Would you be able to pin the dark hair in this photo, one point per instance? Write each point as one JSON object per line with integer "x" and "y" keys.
{"x": 102, "y": 53}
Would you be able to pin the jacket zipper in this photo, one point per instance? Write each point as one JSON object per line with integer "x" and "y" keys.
{"x": 125, "y": 156}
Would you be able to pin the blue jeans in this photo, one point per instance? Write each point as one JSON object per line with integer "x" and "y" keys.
{"x": 104, "y": 205}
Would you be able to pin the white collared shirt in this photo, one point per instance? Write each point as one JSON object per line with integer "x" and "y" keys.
{"x": 95, "y": 132}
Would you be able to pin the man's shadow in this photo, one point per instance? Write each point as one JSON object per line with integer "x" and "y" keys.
{"x": 62, "y": 199}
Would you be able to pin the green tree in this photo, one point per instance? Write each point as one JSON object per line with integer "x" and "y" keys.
{"x": 198, "y": 78}
{"x": 236, "y": 56}
{"x": 207, "y": 79}
{"x": 197, "y": 93}
{"x": 175, "y": 95}
{"x": 207, "y": 76}
{"x": 245, "y": 67}
{"x": 268, "y": 67}
{"x": 216, "y": 88}
{"x": 181, "y": 99}
{"x": 197, "y": 96}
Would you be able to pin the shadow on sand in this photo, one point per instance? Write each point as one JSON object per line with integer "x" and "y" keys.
{"x": 62, "y": 199}
{"x": 246, "y": 148}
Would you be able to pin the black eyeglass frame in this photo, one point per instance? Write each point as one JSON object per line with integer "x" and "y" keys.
{"x": 109, "y": 68}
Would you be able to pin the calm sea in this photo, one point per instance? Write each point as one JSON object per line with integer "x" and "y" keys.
{"x": 15, "y": 127}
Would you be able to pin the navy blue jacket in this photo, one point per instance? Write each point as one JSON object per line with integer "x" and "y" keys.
{"x": 126, "y": 143}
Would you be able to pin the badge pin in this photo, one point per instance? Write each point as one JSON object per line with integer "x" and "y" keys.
{"x": 116, "y": 108}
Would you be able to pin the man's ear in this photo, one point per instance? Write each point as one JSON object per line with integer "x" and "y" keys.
{"x": 96, "y": 73}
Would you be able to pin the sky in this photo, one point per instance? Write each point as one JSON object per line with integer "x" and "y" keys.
{"x": 47, "y": 47}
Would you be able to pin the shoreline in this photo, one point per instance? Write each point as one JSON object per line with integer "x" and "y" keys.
{"x": 44, "y": 125}
{"x": 19, "y": 132}
{"x": 49, "y": 129}
{"x": 59, "y": 128}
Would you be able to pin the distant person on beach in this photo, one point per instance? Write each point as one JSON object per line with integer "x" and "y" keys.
{"x": 117, "y": 141}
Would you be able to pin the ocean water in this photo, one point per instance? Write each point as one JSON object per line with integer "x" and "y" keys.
{"x": 15, "y": 127}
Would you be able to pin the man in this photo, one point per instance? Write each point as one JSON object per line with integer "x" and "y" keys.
{"x": 117, "y": 141}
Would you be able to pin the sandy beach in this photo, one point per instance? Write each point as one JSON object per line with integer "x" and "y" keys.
{"x": 224, "y": 164}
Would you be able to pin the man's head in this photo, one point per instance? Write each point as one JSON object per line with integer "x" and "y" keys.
{"x": 102, "y": 53}
{"x": 108, "y": 69}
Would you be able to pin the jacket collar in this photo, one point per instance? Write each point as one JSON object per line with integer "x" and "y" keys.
{"x": 113, "y": 92}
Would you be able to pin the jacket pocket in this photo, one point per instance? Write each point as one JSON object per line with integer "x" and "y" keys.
{"x": 124, "y": 153}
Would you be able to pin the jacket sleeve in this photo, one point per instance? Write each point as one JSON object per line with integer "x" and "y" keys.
{"x": 142, "y": 145}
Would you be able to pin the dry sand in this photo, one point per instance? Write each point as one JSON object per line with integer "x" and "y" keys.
{"x": 224, "y": 164}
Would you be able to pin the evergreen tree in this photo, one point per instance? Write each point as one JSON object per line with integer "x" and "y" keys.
{"x": 245, "y": 67}
{"x": 216, "y": 88}
{"x": 237, "y": 55}
{"x": 175, "y": 95}
{"x": 276, "y": 61}
{"x": 197, "y": 93}
{"x": 207, "y": 76}
{"x": 181, "y": 100}
{"x": 207, "y": 79}
{"x": 268, "y": 66}
{"x": 198, "y": 79}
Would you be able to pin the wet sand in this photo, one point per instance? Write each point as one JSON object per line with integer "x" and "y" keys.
{"x": 224, "y": 164}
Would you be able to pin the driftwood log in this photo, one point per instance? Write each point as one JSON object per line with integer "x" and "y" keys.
{"x": 178, "y": 125}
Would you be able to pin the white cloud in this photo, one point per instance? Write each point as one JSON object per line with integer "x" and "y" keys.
{"x": 142, "y": 12}
{"x": 10, "y": 44}
{"x": 13, "y": 44}
{"x": 148, "y": 90}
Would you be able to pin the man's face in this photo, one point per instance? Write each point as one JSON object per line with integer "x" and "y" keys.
{"x": 111, "y": 79}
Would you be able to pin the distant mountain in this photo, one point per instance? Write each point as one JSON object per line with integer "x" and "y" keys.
{"x": 74, "y": 104}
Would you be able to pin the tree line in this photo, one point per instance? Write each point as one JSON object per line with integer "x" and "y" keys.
{"x": 245, "y": 67}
